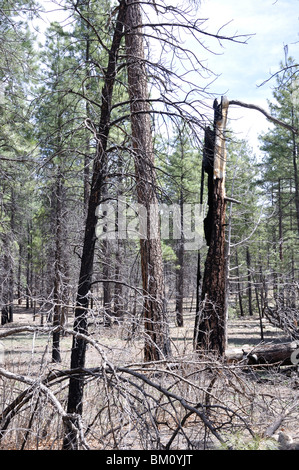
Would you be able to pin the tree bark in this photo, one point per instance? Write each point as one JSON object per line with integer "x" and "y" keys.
{"x": 20, "y": 273}
{"x": 180, "y": 284}
{"x": 156, "y": 326}
{"x": 7, "y": 281}
{"x": 107, "y": 287}
{"x": 266, "y": 354}
{"x": 118, "y": 307}
{"x": 86, "y": 174}
{"x": 249, "y": 285}
{"x": 211, "y": 328}
{"x": 76, "y": 385}
{"x": 58, "y": 270}
{"x": 198, "y": 300}
{"x": 239, "y": 286}
{"x": 28, "y": 265}
{"x": 280, "y": 218}
{"x": 295, "y": 166}
{"x": 180, "y": 265}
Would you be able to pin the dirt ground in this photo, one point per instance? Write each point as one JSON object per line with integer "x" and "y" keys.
{"x": 118, "y": 340}
{"x": 31, "y": 354}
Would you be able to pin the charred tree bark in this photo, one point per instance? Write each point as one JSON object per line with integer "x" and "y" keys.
{"x": 58, "y": 269}
{"x": 179, "y": 301}
{"x": 212, "y": 330}
{"x": 19, "y": 273}
{"x": 249, "y": 281}
{"x": 280, "y": 218}
{"x": 7, "y": 281}
{"x": 198, "y": 300}
{"x": 211, "y": 323}
{"x": 156, "y": 326}
{"x": 87, "y": 157}
{"x": 180, "y": 265}
{"x": 28, "y": 265}
{"x": 239, "y": 288}
{"x": 118, "y": 307}
{"x": 107, "y": 287}
{"x": 76, "y": 385}
{"x": 295, "y": 166}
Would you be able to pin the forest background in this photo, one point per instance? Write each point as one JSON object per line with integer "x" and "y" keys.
{"x": 67, "y": 114}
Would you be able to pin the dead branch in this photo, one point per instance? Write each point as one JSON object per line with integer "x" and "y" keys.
{"x": 265, "y": 113}
{"x": 38, "y": 384}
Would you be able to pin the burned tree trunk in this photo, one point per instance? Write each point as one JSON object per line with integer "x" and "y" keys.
{"x": 210, "y": 327}
{"x": 156, "y": 326}
{"x": 180, "y": 284}
{"x": 76, "y": 386}
{"x": 58, "y": 269}
{"x": 249, "y": 281}
{"x": 179, "y": 301}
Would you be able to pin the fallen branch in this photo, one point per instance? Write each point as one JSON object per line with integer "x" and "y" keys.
{"x": 118, "y": 376}
{"x": 29, "y": 329}
{"x": 35, "y": 383}
{"x": 181, "y": 400}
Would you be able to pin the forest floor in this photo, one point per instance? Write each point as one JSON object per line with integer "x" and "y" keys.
{"x": 30, "y": 354}
{"x": 243, "y": 333}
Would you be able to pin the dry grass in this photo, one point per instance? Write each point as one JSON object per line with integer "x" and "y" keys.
{"x": 190, "y": 403}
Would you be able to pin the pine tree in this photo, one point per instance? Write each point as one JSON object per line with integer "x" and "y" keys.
{"x": 180, "y": 179}
{"x": 58, "y": 135}
{"x": 281, "y": 146}
{"x": 281, "y": 184}
{"x": 16, "y": 144}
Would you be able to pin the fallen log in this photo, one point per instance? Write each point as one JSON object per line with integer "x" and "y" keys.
{"x": 266, "y": 354}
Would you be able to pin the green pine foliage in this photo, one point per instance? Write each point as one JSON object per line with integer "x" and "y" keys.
{"x": 50, "y": 104}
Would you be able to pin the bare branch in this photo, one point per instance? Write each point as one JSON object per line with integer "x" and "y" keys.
{"x": 265, "y": 113}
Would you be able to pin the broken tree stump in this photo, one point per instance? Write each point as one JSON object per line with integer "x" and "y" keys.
{"x": 211, "y": 322}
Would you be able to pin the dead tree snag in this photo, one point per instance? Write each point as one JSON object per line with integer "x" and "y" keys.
{"x": 210, "y": 325}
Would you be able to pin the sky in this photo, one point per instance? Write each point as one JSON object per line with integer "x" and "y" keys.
{"x": 242, "y": 67}
{"x": 273, "y": 25}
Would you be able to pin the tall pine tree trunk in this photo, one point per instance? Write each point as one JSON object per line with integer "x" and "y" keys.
{"x": 118, "y": 307}
{"x": 86, "y": 174}
{"x": 107, "y": 286}
{"x": 296, "y": 177}
{"x": 180, "y": 284}
{"x": 28, "y": 264}
{"x": 156, "y": 326}
{"x": 180, "y": 266}
{"x": 7, "y": 281}
{"x": 180, "y": 253}
{"x": 249, "y": 283}
{"x": 239, "y": 286}
{"x": 58, "y": 270}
